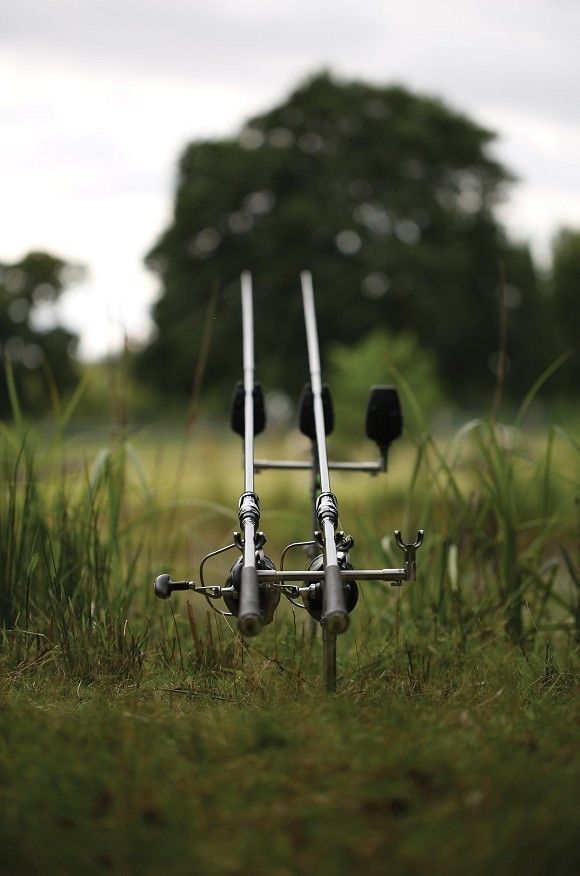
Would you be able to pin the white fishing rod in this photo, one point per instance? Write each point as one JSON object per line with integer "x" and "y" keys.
{"x": 249, "y": 614}
{"x": 334, "y": 612}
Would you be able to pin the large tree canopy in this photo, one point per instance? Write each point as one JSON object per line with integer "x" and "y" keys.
{"x": 40, "y": 357}
{"x": 565, "y": 285}
{"x": 387, "y": 196}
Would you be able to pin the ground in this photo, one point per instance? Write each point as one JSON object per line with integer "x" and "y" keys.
{"x": 466, "y": 764}
{"x": 142, "y": 737}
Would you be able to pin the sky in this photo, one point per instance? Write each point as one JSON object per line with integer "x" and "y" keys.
{"x": 99, "y": 97}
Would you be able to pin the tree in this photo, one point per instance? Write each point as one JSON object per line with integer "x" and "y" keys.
{"x": 387, "y": 196}
{"x": 379, "y": 359}
{"x": 40, "y": 359}
{"x": 565, "y": 287}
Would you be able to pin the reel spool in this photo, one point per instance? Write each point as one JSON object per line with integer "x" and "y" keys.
{"x": 269, "y": 598}
{"x": 312, "y": 598}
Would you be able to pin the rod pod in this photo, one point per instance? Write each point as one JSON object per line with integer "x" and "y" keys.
{"x": 254, "y": 585}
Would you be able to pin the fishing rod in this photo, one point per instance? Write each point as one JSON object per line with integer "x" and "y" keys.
{"x": 253, "y": 605}
{"x": 328, "y": 588}
{"x": 249, "y": 612}
{"x": 334, "y": 612}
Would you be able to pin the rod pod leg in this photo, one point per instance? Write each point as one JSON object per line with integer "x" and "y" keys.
{"x": 329, "y": 660}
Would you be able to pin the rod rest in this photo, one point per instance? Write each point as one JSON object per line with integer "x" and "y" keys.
{"x": 384, "y": 418}
{"x": 238, "y": 418}
{"x": 410, "y": 553}
{"x": 306, "y": 411}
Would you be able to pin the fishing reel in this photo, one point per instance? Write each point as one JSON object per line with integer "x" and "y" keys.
{"x": 268, "y": 597}
{"x": 306, "y": 585}
{"x": 312, "y": 597}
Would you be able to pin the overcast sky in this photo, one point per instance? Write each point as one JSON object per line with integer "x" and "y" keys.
{"x": 98, "y": 97}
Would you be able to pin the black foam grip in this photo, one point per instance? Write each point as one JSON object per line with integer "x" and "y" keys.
{"x": 249, "y": 614}
{"x": 334, "y": 613}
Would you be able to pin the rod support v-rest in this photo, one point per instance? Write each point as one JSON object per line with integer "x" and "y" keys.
{"x": 409, "y": 552}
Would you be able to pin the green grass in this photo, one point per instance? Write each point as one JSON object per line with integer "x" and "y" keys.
{"x": 472, "y": 770}
{"x": 148, "y": 738}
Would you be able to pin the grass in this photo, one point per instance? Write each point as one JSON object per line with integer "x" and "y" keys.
{"x": 149, "y": 738}
{"x": 472, "y": 769}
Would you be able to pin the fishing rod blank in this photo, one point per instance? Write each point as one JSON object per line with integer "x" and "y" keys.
{"x": 249, "y": 613}
{"x": 334, "y": 611}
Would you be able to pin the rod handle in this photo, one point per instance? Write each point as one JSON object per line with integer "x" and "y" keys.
{"x": 334, "y": 613}
{"x": 249, "y": 614}
{"x": 164, "y": 586}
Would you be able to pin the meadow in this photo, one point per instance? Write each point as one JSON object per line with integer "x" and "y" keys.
{"x": 146, "y": 737}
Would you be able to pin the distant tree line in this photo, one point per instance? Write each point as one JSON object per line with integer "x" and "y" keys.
{"x": 564, "y": 301}
{"x": 389, "y": 197}
{"x": 38, "y": 351}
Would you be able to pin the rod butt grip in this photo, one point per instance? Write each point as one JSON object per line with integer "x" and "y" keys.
{"x": 249, "y": 614}
{"x": 334, "y": 613}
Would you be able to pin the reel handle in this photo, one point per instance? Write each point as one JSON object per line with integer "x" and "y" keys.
{"x": 334, "y": 613}
{"x": 250, "y": 613}
{"x": 164, "y": 586}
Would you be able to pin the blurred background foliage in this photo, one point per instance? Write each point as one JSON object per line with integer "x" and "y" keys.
{"x": 397, "y": 359}
{"x": 40, "y": 351}
{"x": 566, "y": 303}
{"x": 390, "y": 198}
